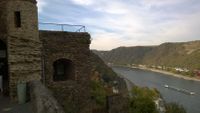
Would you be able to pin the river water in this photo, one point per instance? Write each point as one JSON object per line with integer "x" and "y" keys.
{"x": 157, "y": 80}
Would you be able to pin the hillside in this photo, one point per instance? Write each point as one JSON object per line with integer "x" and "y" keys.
{"x": 182, "y": 54}
{"x": 107, "y": 75}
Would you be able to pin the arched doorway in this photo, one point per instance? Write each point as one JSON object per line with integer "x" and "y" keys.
{"x": 63, "y": 70}
{"x": 4, "y": 85}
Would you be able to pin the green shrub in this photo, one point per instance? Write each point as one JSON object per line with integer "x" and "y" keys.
{"x": 98, "y": 93}
{"x": 142, "y": 105}
{"x": 142, "y": 100}
{"x": 145, "y": 92}
{"x": 174, "y": 108}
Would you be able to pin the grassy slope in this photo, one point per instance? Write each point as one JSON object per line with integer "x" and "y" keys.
{"x": 186, "y": 54}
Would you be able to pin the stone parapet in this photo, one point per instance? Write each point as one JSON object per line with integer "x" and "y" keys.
{"x": 42, "y": 99}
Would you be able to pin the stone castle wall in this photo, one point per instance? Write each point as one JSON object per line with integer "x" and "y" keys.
{"x": 3, "y": 28}
{"x": 42, "y": 99}
{"x": 72, "y": 93}
{"x": 23, "y": 44}
{"x": 72, "y": 46}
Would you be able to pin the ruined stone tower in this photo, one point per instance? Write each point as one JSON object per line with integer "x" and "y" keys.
{"x": 21, "y": 55}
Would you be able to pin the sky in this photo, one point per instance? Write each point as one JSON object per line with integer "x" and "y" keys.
{"x": 114, "y": 23}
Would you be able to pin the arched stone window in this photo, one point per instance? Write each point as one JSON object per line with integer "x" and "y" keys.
{"x": 63, "y": 70}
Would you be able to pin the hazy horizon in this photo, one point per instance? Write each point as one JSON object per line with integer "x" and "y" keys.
{"x": 116, "y": 23}
{"x": 145, "y": 45}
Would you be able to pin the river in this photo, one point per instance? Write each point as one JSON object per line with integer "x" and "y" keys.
{"x": 157, "y": 80}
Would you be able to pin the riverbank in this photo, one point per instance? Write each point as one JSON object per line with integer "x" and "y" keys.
{"x": 167, "y": 73}
{"x": 129, "y": 84}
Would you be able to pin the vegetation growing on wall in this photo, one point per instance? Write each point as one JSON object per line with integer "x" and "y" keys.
{"x": 98, "y": 93}
{"x": 142, "y": 100}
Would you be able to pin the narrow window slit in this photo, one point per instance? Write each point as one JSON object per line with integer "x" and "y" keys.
{"x": 17, "y": 19}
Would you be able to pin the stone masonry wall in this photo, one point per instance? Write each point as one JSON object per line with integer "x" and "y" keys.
{"x": 72, "y": 94}
{"x": 24, "y": 46}
{"x": 43, "y": 99}
{"x": 3, "y": 19}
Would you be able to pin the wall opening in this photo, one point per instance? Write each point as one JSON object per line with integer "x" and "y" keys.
{"x": 17, "y": 19}
{"x": 4, "y": 78}
{"x": 63, "y": 70}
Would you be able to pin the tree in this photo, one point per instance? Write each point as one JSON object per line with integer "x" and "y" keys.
{"x": 142, "y": 105}
{"x": 142, "y": 100}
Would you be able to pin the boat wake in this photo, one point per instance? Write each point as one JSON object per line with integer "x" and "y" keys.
{"x": 180, "y": 90}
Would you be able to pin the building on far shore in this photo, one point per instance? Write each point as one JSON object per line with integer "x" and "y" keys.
{"x": 197, "y": 73}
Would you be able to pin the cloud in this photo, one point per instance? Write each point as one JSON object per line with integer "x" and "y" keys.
{"x": 41, "y": 4}
{"x": 114, "y": 23}
{"x": 83, "y": 2}
{"x": 105, "y": 41}
{"x": 161, "y": 2}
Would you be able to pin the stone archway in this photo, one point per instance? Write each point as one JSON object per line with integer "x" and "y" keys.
{"x": 4, "y": 69}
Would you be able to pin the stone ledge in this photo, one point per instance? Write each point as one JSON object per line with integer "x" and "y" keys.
{"x": 43, "y": 99}
{"x": 65, "y": 36}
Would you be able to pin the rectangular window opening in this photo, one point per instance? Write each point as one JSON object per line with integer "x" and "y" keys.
{"x": 17, "y": 19}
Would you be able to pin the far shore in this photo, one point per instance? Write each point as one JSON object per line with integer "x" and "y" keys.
{"x": 167, "y": 73}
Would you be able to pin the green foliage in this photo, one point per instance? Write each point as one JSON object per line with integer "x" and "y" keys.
{"x": 174, "y": 108}
{"x": 142, "y": 100}
{"x": 145, "y": 92}
{"x": 190, "y": 73}
{"x": 142, "y": 105}
{"x": 98, "y": 93}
